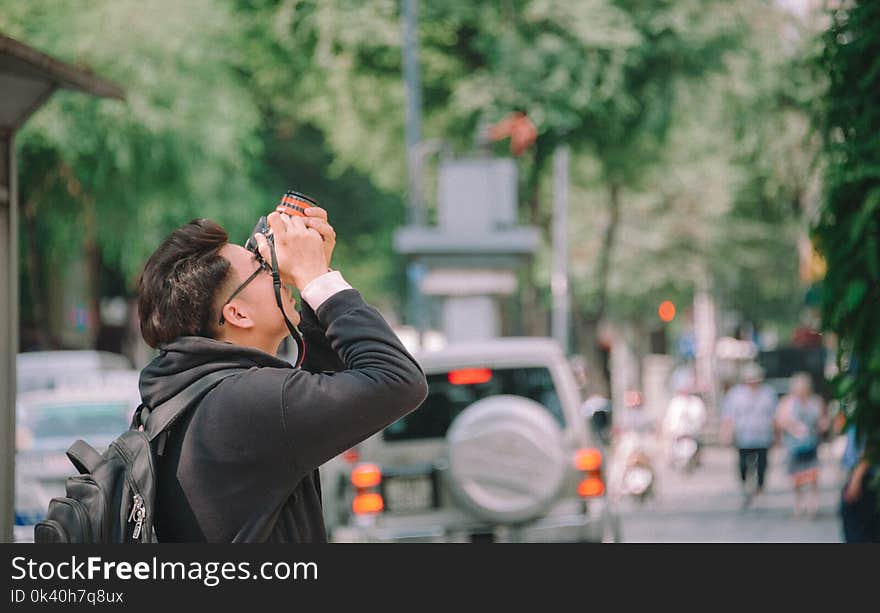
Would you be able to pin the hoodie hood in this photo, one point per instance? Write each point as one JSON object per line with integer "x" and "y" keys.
{"x": 186, "y": 359}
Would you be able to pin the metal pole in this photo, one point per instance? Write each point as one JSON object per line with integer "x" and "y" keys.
{"x": 415, "y": 208}
{"x": 705, "y": 331}
{"x": 8, "y": 331}
{"x": 559, "y": 279}
{"x": 410, "y": 20}
{"x": 415, "y": 273}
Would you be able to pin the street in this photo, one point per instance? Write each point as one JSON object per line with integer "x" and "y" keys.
{"x": 705, "y": 506}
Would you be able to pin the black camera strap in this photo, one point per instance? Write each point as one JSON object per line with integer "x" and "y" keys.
{"x": 294, "y": 333}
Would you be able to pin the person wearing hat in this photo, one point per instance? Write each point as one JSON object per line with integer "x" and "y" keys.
{"x": 748, "y": 419}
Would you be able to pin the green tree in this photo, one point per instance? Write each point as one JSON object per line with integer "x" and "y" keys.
{"x": 601, "y": 76}
{"x": 728, "y": 194}
{"x": 848, "y": 230}
{"x": 233, "y": 101}
{"x": 631, "y": 86}
{"x": 766, "y": 98}
{"x": 111, "y": 179}
{"x": 211, "y": 127}
{"x": 326, "y": 77}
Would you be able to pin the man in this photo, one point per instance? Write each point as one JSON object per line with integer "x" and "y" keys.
{"x": 243, "y": 464}
{"x": 748, "y": 414}
{"x": 858, "y": 504}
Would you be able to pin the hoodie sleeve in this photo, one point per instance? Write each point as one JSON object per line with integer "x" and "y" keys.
{"x": 319, "y": 354}
{"x": 323, "y": 414}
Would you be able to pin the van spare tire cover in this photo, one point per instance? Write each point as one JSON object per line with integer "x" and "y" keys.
{"x": 506, "y": 459}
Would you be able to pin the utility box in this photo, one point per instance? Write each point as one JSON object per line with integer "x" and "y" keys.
{"x": 469, "y": 260}
{"x": 477, "y": 193}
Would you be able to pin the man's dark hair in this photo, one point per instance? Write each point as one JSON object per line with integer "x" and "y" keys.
{"x": 180, "y": 282}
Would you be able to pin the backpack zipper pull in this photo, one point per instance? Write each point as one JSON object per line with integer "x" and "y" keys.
{"x": 138, "y": 514}
{"x": 136, "y": 502}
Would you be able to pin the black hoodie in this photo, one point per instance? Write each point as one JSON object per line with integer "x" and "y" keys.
{"x": 246, "y": 457}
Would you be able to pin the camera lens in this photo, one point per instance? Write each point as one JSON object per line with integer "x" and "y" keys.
{"x": 294, "y": 203}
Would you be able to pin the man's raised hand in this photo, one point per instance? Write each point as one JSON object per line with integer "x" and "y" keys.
{"x": 300, "y": 250}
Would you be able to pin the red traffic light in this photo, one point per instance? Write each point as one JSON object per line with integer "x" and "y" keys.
{"x": 666, "y": 311}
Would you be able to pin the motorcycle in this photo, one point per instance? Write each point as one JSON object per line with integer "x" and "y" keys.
{"x": 683, "y": 452}
{"x": 683, "y": 424}
{"x": 638, "y": 476}
{"x": 636, "y": 449}
{"x": 596, "y": 411}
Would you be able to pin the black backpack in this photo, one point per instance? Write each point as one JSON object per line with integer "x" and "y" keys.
{"x": 113, "y": 498}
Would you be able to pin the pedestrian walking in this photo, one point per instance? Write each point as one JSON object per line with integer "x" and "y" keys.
{"x": 748, "y": 420}
{"x": 801, "y": 421}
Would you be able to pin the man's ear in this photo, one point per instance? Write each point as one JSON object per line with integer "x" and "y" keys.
{"x": 236, "y": 316}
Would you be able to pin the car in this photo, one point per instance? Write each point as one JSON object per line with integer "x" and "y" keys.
{"x": 48, "y": 422}
{"x": 782, "y": 363}
{"x": 50, "y": 369}
{"x": 498, "y": 451}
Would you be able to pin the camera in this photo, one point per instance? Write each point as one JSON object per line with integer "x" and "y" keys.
{"x": 292, "y": 203}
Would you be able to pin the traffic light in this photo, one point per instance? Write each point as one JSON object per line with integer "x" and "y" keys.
{"x": 666, "y": 311}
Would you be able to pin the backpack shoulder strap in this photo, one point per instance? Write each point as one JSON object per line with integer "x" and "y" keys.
{"x": 84, "y": 457}
{"x": 159, "y": 419}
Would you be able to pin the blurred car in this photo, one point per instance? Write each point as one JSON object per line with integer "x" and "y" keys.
{"x": 50, "y": 369}
{"x": 782, "y": 363}
{"x": 498, "y": 451}
{"x": 49, "y": 421}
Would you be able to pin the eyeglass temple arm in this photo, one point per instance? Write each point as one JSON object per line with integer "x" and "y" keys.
{"x": 237, "y": 292}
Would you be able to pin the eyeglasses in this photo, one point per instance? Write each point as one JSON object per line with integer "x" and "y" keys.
{"x": 238, "y": 290}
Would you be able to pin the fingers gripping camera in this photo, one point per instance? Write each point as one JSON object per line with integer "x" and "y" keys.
{"x": 292, "y": 203}
{"x": 295, "y": 241}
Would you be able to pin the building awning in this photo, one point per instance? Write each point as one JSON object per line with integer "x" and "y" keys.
{"x": 28, "y": 77}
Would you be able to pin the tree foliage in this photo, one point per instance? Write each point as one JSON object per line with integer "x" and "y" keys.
{"x": 180, "y": 146}
{"x": 680, "y": 117}
{"x": 848, "y": 231}
{"x": 766, "y": 97}
{"x": 723, "y": 200}
{"x": 195, "y": 137}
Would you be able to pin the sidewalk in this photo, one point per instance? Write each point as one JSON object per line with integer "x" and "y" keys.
{"x": 706, "y": 506}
